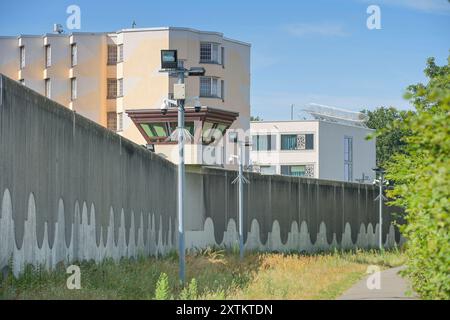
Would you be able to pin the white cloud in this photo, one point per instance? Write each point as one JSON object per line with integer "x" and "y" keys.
{"x": 319, "y": 29}
{"x": 429, "y": 6}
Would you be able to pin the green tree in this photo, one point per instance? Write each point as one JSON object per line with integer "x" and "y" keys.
{"x": 421, "y": 173}
{"x": 256, "y": 118}
{"x": 389, "y": 137}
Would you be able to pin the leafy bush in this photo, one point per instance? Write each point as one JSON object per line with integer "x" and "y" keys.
{"x": 421, "y": 174}
{"x": 190, "y": 292}
{"x": 162, "y": 290}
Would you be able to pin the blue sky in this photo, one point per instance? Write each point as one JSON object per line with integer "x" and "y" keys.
{"x": 302, "y": 51}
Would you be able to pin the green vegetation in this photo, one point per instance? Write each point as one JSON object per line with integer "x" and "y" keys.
{"x": 421, "y": 174}
{"x": 162, "y": 287}
{"x": 256, "y": 118}
{"x": 212, "y": 274}
{"x": 389, "y": 136}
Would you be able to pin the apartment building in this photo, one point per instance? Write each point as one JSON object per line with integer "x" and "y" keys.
{"x": 327, "y": 143}
{"x": 114, "y": 79}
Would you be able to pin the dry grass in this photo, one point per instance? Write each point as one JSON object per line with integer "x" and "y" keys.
{"x": 300, "y": 277}
{"x": 219, "y": 275}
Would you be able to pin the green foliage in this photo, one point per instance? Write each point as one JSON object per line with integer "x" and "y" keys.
{"x": 256, "y": 118}
{"x": 162, "y": 290}
{"x": 422, "y": 183}
{"x": 217, "y": 275}
{"x": 190, "y": 292}
{"x": 389, "y": 137}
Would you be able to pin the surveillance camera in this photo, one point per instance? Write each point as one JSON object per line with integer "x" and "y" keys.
{"x": 197, "y": 104}
{"x": 164, "y": 107}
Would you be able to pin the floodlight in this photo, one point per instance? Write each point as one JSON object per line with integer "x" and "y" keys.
{"x": 169, "y": 59}
{"x": 196, "y": 71}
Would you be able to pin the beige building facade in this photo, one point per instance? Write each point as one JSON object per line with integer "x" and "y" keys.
{"x": 103, "y": 75}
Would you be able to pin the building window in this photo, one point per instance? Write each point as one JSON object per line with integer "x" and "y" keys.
{"x": 309, "y": 141}
{"x": 209, "y": 52}
{"x": 48, "y": 88}
{"x": 264, "y": 142}
{"x": 267, "y": 170}
{"x": 222, "y": 89}
{"x": 298, "y": 170}
{"x": 73, "y": 54}
{"x": 112, "y": 88}
{"x": 22, "y": 57}
{"x": 111, "y": 121}
{"x": 297, "y": 141}
{"x": 210, "y": 87}
{"x": 48, "y": 56}
{"x": 120, "y": 87}
{"x": 348, "y": 158}
{"x": 161, "y": 131}
{"x": 73, "y": 88}
{"x": 120, "y": 121}
{"x": 120, "y": 53}
{"x": 222, "y": 55}
{"x": 112, "y": 54}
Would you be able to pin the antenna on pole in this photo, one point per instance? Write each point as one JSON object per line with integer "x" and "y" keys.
{"x": 58, "y": 28}
{"x": 241, "y": 179}
{"x": 133, "y": 25}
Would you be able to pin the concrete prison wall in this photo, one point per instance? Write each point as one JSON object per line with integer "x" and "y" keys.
{"x": 73, "y": 190}
{"x": 286, "y": 213}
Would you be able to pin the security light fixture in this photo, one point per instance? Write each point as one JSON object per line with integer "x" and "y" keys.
{"x": 379, "y": 170}
{"x": 196, "y": 71}
{"x": 169, "y": 59}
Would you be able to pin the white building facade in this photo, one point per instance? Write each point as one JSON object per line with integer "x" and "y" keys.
{"x": 322, "y": 147}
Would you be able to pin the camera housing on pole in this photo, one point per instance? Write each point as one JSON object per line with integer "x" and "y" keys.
{"x": 380, "y": 181}
{"x": 169, "y": 64}
{"x": 233, "y": 137}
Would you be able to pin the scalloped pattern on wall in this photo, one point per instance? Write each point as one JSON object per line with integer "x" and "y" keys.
{"x": 86, "y": 244}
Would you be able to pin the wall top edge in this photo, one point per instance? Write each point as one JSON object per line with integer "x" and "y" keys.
{"x": 112, "y": 33}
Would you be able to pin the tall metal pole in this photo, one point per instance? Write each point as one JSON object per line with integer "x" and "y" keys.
{"x": 381, "y": 211}
{"x": 181, "y": 244}
{"x": 241, "y": 202}
{"x": 292, "y": 112}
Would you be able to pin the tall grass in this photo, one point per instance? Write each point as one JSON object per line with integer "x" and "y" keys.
{"x": 211, "y": 274}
